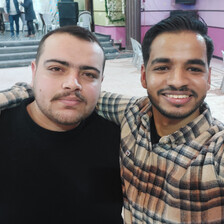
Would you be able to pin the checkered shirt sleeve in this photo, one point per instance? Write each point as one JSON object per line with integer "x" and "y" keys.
{"x": 14, "y": 95}
{"x": 178, "y": 180}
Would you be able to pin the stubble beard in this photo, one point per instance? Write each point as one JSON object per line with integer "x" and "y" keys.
{"x": 175, "y": 115}
{"x": 72, "y": 117}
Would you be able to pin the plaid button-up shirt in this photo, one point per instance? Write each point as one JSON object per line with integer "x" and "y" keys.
{"x": 178, "y": 180}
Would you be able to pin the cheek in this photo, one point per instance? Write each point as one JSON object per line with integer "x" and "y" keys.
{"x": 45, "y": 88}
{"x": 92, "y": 92}
{"x": 154, "y": 82}
{"x": 200, "y": 84}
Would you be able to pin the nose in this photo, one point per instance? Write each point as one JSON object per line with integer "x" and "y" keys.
{"x": 72, "y": 82}
{"x": 178, "y": 77}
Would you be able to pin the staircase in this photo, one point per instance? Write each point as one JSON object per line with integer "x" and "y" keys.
{"x": 111, "y": 50}
{"x": 20, "y": 53}
{"x": 17, "y": 53}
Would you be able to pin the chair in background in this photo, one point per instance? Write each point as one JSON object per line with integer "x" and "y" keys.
{"x": 47, "y": 25}
{"x": 85, "y": 20}
{"x": 222, "y": 84}
{"x": 137, "y": 59}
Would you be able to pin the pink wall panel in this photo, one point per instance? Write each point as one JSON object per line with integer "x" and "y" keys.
{"x": 144, "y": 29}
{"x": 213, "y": 18}
{"x": 217, "y": 36}
{"x": 151, "y": 18}
{"x": 170, "y": 5}
{"x": 117, "y": 33}
{"x": 211, "y": 11}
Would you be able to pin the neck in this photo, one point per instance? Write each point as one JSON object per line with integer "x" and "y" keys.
{"x": 166, "y": 126}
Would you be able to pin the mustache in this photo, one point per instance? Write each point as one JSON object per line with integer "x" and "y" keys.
{"x": 76, "y": 93}
{"x": 182, "y": 88}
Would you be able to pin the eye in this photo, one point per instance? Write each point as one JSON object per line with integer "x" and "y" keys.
{"x": 89, "y": 75}
{"x": 195, "y": 69}
{"x": 161, "y": 68}
{"x": 55, "y": 69}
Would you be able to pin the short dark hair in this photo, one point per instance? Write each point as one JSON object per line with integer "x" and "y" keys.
{"x": 176, "y": 23}
{"x": 75, "y": 31}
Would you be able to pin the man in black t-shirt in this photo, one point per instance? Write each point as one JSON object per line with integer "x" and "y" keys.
{"x": 59, "y": 161}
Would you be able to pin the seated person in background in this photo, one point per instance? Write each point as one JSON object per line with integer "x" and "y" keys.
{"x": 59, "y": 160}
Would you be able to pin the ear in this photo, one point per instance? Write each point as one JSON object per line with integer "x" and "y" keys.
{"x": 209, "y": 79}
{"x": 34, "y": 68}
{"x": 143, "y": 76}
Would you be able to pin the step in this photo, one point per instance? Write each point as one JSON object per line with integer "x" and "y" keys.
{"x": 18, "y": 49}
{"x": 103, "y": 38}
{"x": 15, "y": 63}
{"x": 106, "y": 43}
{"x": 117, "y": 55}
{"x": 18, "y": 43}
{"x": 17, "y": 56}
{"x": 111, "y": 49}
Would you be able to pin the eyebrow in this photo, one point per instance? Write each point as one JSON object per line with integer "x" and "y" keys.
{"x": 57, "y": 61}
{"x": 160, "y": 60}
{"x": 67, "y": 64}
{"x": 167, "y": 60}
{"x": 196, "y": 62}
{"x": 85, "y": 67}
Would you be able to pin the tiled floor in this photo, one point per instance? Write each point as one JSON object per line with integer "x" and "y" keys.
{"x": 122, "y": 77}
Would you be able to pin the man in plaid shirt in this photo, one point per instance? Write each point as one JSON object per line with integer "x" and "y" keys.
{"x": 172, "y": 163}
{"x": 171, "y": 149}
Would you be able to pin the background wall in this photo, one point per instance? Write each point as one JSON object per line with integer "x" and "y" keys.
{"x": 81, "y": 5}
{"x": 103, "y": 25}
{"x": 211, "y": 11}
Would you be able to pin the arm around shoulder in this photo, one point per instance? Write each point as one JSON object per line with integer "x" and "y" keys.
{"x": 14, "y": 95}
{"x": 113, "y": 106}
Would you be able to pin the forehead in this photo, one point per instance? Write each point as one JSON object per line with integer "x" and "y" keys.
{"x": 72, "y": 49}
{"x": 185, "y": 44}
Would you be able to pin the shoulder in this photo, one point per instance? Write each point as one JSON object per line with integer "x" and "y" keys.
{"x": 102, "y": 123}
{"x": 123, "y": 100}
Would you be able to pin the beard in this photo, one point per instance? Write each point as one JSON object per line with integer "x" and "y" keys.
{"x": 71, "y": 116}
{"x": 175, "y": 115}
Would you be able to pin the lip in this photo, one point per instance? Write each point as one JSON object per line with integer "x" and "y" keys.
{"x": 177, "y": 97}
{"x": 70, "y": 101}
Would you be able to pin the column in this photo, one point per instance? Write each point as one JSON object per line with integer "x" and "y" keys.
{"x": 133, "y": 21}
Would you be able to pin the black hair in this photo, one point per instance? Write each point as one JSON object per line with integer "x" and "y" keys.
{"x": 76, "y": 31}
{"x": 177, "y": 23}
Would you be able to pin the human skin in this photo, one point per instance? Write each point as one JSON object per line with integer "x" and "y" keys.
{"x": 66, "y": 82}
{"x": 177, "y": 78}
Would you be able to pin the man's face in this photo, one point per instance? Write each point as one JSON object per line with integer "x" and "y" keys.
{"x": 66, "y": 82}
{"x": 177, "y": 76}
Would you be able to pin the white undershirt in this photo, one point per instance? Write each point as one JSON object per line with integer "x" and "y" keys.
{"x": 12, "y": 10}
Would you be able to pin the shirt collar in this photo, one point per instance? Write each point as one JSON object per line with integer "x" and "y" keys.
{"x": 192, "y": 130}
{"x": 187, "y": 133}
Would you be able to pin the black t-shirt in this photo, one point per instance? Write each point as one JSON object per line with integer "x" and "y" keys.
{"x": 154, "y": 135}
{"x": 58, "y": 177}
